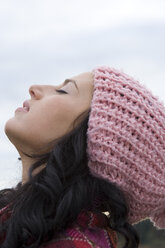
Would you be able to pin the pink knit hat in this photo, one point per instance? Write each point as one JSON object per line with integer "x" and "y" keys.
{"x": 126, "y": 142}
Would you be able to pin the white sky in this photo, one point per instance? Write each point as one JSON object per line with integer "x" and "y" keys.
{"x": 45, "y": 41}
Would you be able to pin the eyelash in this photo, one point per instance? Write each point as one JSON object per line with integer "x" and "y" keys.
{"x": 62, "y": 91}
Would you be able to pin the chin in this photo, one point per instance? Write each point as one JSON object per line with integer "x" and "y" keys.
{"x": 7, "y": 126}
{"x": 10, "y": 129}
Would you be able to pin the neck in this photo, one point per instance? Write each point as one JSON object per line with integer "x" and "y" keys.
{"x": 26, "y": 165}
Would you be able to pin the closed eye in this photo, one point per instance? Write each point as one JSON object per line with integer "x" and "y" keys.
{"x": 62, "y": 91}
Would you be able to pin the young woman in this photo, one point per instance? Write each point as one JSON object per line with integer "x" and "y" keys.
{"x": 93, "y": 163}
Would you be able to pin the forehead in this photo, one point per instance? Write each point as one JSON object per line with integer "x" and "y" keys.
{"x": 84, "y": 79}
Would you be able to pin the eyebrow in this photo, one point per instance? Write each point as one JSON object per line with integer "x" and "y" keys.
{"x": 72, "y": 81}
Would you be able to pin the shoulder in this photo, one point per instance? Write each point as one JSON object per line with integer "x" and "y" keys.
{"x": 89, "y": 231}
{"x": 83, "y": 240}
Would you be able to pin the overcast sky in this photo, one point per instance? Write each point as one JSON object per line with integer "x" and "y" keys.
{"x": 45, "y": 41}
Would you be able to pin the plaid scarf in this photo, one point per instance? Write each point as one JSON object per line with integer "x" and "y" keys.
{"x": 88, "y": 231}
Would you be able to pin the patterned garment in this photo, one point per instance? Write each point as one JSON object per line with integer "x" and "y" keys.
{"x": 90, "y": 230}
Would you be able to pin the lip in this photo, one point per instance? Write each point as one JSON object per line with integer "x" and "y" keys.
{"x": 26, "y": 105}
{"x": 25, "y": 108}
{"x": 21, "y": 110}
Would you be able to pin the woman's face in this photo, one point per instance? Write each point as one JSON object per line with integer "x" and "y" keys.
{"x": 51, "y": 114}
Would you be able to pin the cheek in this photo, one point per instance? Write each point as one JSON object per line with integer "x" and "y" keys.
{"x": 56, "y": 121}
{"x": 42, "y": 125}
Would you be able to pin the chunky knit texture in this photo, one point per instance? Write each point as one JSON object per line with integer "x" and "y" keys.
{"x": 126, "y": 142}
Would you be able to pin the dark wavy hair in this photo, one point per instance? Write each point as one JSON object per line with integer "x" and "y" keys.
{"x": 51, "y": 200}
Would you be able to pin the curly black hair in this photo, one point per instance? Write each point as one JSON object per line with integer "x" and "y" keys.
{"x": 52, "y": 199}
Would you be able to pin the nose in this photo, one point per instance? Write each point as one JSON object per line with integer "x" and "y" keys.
{"x": 36, "y": 91}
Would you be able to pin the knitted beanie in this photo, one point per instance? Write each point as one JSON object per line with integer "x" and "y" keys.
{"x": 126, "y": 142}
